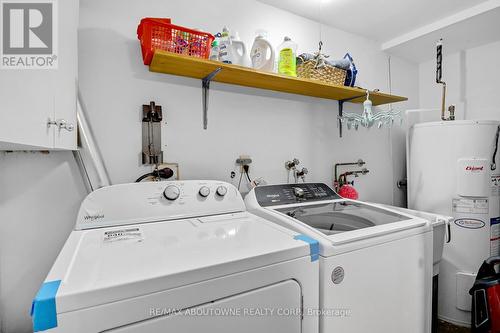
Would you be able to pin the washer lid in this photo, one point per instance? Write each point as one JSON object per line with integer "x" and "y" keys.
{"x": 98, "y": 266}
{"x": 345, "y": 225}
{"x": 436, "y": 220}
{"x": 336, "y": 217}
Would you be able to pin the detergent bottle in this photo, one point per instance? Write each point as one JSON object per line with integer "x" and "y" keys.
{"x": 287, "y": 53}
{"x": 225, "y": 47}
{"x": 262, "y": 53}
{"x": 238, "y": 50}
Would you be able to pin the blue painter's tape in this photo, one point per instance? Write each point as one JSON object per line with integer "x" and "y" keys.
{"x": 43, "y": 308}
{"x": 313, "y": 245}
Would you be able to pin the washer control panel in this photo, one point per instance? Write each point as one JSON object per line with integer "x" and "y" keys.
{"x": 157, "y": 201}
{"x": 273, "y": 195}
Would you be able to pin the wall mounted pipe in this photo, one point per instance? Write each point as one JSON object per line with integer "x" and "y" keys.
{"x": 439, "y": 76}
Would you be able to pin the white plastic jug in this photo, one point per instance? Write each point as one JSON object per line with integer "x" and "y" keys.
{"x": 238, "y": 50}
{"x": 262, "y": 53}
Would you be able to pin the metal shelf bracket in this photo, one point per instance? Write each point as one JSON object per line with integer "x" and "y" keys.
{"x": 205, "y": 84}
{"x": 341, "y": 110}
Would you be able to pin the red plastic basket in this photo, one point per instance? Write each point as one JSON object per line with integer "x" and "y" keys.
{"x": 161, "y": 34}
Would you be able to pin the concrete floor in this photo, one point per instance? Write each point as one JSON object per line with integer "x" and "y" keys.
{"x": 445, "y": 327}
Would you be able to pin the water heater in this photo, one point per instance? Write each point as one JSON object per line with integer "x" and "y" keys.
{"x": 452, "y": 170}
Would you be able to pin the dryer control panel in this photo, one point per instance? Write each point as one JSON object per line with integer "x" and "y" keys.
{"x": 274, "y": 195}
{"x": 157, "y": 201}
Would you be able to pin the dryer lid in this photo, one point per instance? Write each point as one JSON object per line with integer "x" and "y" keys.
{"x": 98, "y": 266}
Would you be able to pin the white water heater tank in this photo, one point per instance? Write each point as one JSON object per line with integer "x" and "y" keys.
{"x": 454, "y": 169}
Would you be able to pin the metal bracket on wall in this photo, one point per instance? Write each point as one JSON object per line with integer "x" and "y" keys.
{"x": 205, "y": 84}
{"x": 151, "y": 134}
{"x": 341, "y": 109}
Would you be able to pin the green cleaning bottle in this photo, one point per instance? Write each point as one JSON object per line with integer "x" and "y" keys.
{"x": 287, "y": 53}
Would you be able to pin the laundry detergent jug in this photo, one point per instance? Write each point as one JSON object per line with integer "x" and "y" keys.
{"x": 486, "y": 298}
{"x": 238, "y": 50}
{"x": 262, "y": 53}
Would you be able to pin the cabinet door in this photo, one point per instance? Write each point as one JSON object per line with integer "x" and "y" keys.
{"x": 26, "y": 104}
{"x": 29, "y": 98}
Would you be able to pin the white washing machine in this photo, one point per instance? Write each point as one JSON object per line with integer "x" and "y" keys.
{"x": 376, "y": 263}
{"x": 178, "y": 257}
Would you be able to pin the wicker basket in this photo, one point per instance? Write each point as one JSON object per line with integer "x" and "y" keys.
{"x": 325, "y": 73}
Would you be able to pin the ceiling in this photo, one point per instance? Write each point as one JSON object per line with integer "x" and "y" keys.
{"x": 459, "y": 35}
{"x": 380, "y": 20}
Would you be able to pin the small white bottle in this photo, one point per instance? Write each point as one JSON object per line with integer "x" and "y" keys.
{"x": 262, "y": 53}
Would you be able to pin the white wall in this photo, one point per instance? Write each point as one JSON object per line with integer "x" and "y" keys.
{"x": 40, "y": 193}
{"x": 269, "y": 126}
{"x": 39, "y": 198}
{"x": 473, "y": 80}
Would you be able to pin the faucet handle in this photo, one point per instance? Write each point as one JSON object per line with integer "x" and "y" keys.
{"x": 290, "y": 165}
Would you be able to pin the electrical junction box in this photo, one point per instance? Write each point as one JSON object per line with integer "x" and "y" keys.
{"x": 244, "y": 160}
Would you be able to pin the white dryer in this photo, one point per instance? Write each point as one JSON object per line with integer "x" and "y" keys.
{"x": 178, "y": 257}
{"x": 375, "y": 263}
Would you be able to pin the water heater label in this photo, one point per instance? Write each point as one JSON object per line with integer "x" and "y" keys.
{"x": 495, "y": 237}
{"x": 495, "y": 185}
{"x": 470, "y": 223}
{"x": 470, "y": 206}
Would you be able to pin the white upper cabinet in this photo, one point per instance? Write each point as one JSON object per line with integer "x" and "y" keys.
{"x": 38, "y": 74}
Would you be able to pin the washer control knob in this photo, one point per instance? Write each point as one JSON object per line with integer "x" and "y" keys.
{"x": 299, "y": 193}
{"x": 171, "y": 192}
{"x": 204, "y": 191}
{"x": 221, "y": 191}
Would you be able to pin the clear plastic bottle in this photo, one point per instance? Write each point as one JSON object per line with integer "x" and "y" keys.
{"x": 287, "y": 55}
{"x": 214, "y": 51}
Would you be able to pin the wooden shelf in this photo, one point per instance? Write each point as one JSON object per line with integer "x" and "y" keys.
{"x": 170, "y": 63}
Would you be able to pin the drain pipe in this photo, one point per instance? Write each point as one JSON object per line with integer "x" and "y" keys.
{"x": 439, "y": 76}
